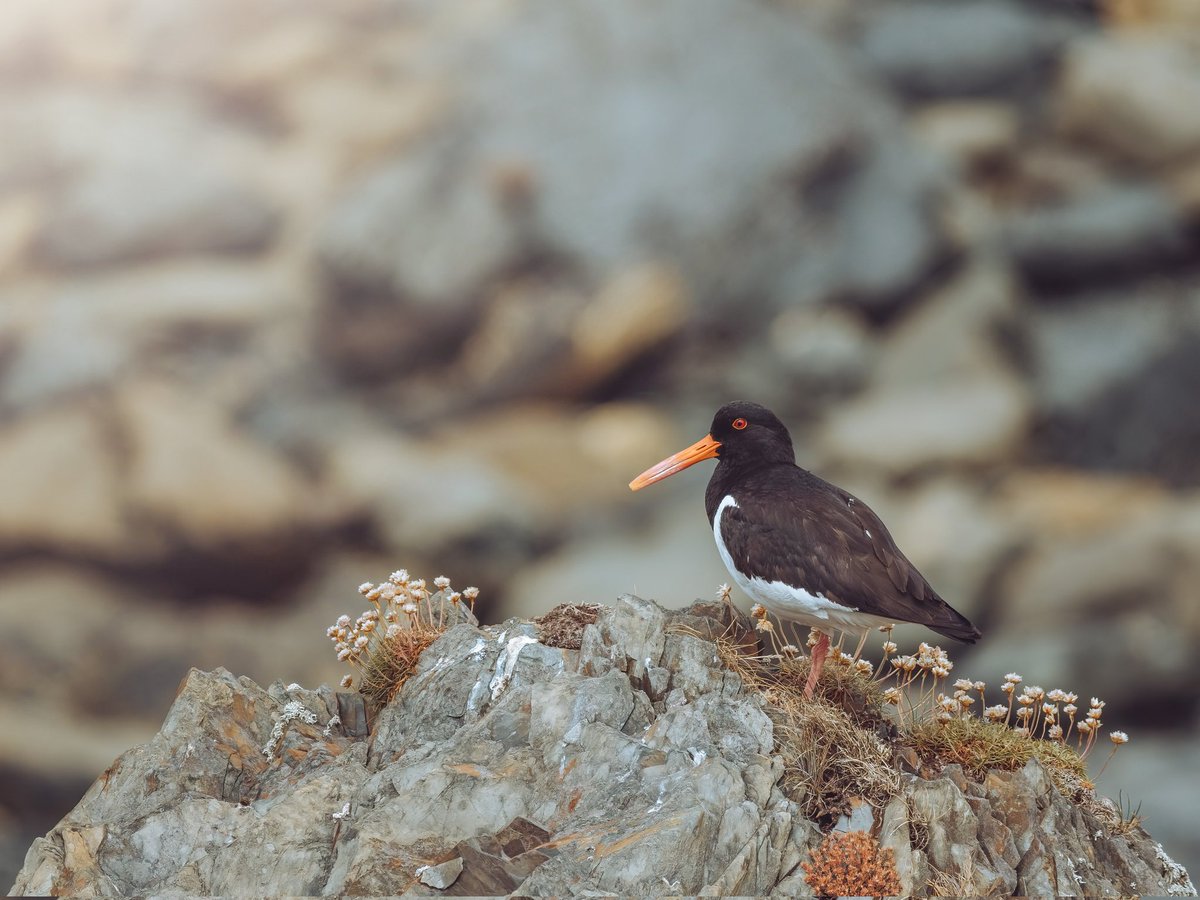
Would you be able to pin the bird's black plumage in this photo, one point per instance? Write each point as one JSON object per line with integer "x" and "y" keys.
{"x": 788, "y": 525}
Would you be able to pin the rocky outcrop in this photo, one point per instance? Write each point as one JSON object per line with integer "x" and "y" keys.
{"x": 637, "y": 764}
{"x": 287, "y": 299}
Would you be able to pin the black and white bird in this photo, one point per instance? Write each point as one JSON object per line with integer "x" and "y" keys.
{"x": 806, "y": 550}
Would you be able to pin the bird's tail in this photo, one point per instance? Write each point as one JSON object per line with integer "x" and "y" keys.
{"x": 955, "y": 625}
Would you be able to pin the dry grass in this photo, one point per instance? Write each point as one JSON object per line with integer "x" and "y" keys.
{"x": 385, "y": 642}
{"x": 954, "y": 884}
{"x": 849, "y": 738}
{"x": 830, "y": 743}
{"x": 977, "y": 746}
{"x": 392, "y": 662}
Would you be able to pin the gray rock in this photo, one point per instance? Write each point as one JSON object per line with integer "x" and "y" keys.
{"x": 932, "y": 49}
{"x": 886, "y": 238}
{"x": 521, "y": 170}
{"x": 1088, "y": 582}
{"x": 442, "y": 875}
{"x": 400, "y": 232}
{"x": 965, "y": 422}
{"x": 116, "y": 322}
{"x": 1083, "y": 347}
{"x": 1143, "y": 421}
{"x": 948, "y": 821}
{"x": 1116, "y": 231}
{"x": 498, "y": 768}
{"x": 134, "y": 211}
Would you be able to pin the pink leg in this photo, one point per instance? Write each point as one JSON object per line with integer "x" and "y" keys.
{"x": 819, "y": 651}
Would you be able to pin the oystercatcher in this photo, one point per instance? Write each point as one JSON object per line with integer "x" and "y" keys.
{"x": 806, "y": 550}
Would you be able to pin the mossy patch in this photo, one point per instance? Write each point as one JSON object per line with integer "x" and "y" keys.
{"x": 977, "y": 746}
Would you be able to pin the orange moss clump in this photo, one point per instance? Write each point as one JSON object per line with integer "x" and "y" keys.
{"x": 852, "y": 864}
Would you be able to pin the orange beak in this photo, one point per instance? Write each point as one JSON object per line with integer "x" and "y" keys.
{"x": 705, "y": 448}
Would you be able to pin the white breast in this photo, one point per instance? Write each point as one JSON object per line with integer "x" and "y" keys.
{"x": 792, "y": 604}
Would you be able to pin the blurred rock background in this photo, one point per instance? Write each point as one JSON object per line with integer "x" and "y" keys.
{"x": 294, "y": 294}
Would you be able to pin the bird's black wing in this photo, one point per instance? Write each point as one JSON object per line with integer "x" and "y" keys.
{"x": 825, "y": 540}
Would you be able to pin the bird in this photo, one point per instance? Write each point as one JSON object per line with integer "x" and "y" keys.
{"x": 806, "y": 550}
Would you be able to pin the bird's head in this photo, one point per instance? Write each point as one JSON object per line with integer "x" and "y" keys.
{"x": 741, "y": 433}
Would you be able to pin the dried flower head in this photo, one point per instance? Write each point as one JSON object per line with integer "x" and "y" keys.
{"x": 1118, "y": 738}
{"x": 441, "y": 582}
{"x": 1013, "y": 678}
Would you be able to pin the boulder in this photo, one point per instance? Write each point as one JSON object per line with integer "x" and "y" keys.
{"x": 53, "y": 501}
{"x": 933, "y": 49}
{"x": 1116, "y": 231}
{"x": 1121, "y": 92}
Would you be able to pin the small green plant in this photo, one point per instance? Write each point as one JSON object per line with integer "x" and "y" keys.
{"x": 384, "y": 643}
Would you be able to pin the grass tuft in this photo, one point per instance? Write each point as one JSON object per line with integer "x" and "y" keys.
{"x": 864, "y": 720}
{"x": 977, "y": 746}
{"x": 385, "y": 642}
{"x": 830, "y": 743}
{"x": 392, "y": 662}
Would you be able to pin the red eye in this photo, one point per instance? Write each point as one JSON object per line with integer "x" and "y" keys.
{"x": 739, "y": 423}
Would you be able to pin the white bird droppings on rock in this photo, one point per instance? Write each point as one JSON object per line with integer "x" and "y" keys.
{"x": 506, "y": 662}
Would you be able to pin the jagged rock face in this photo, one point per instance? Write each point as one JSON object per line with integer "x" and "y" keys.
{"x": 636, "y": 765}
